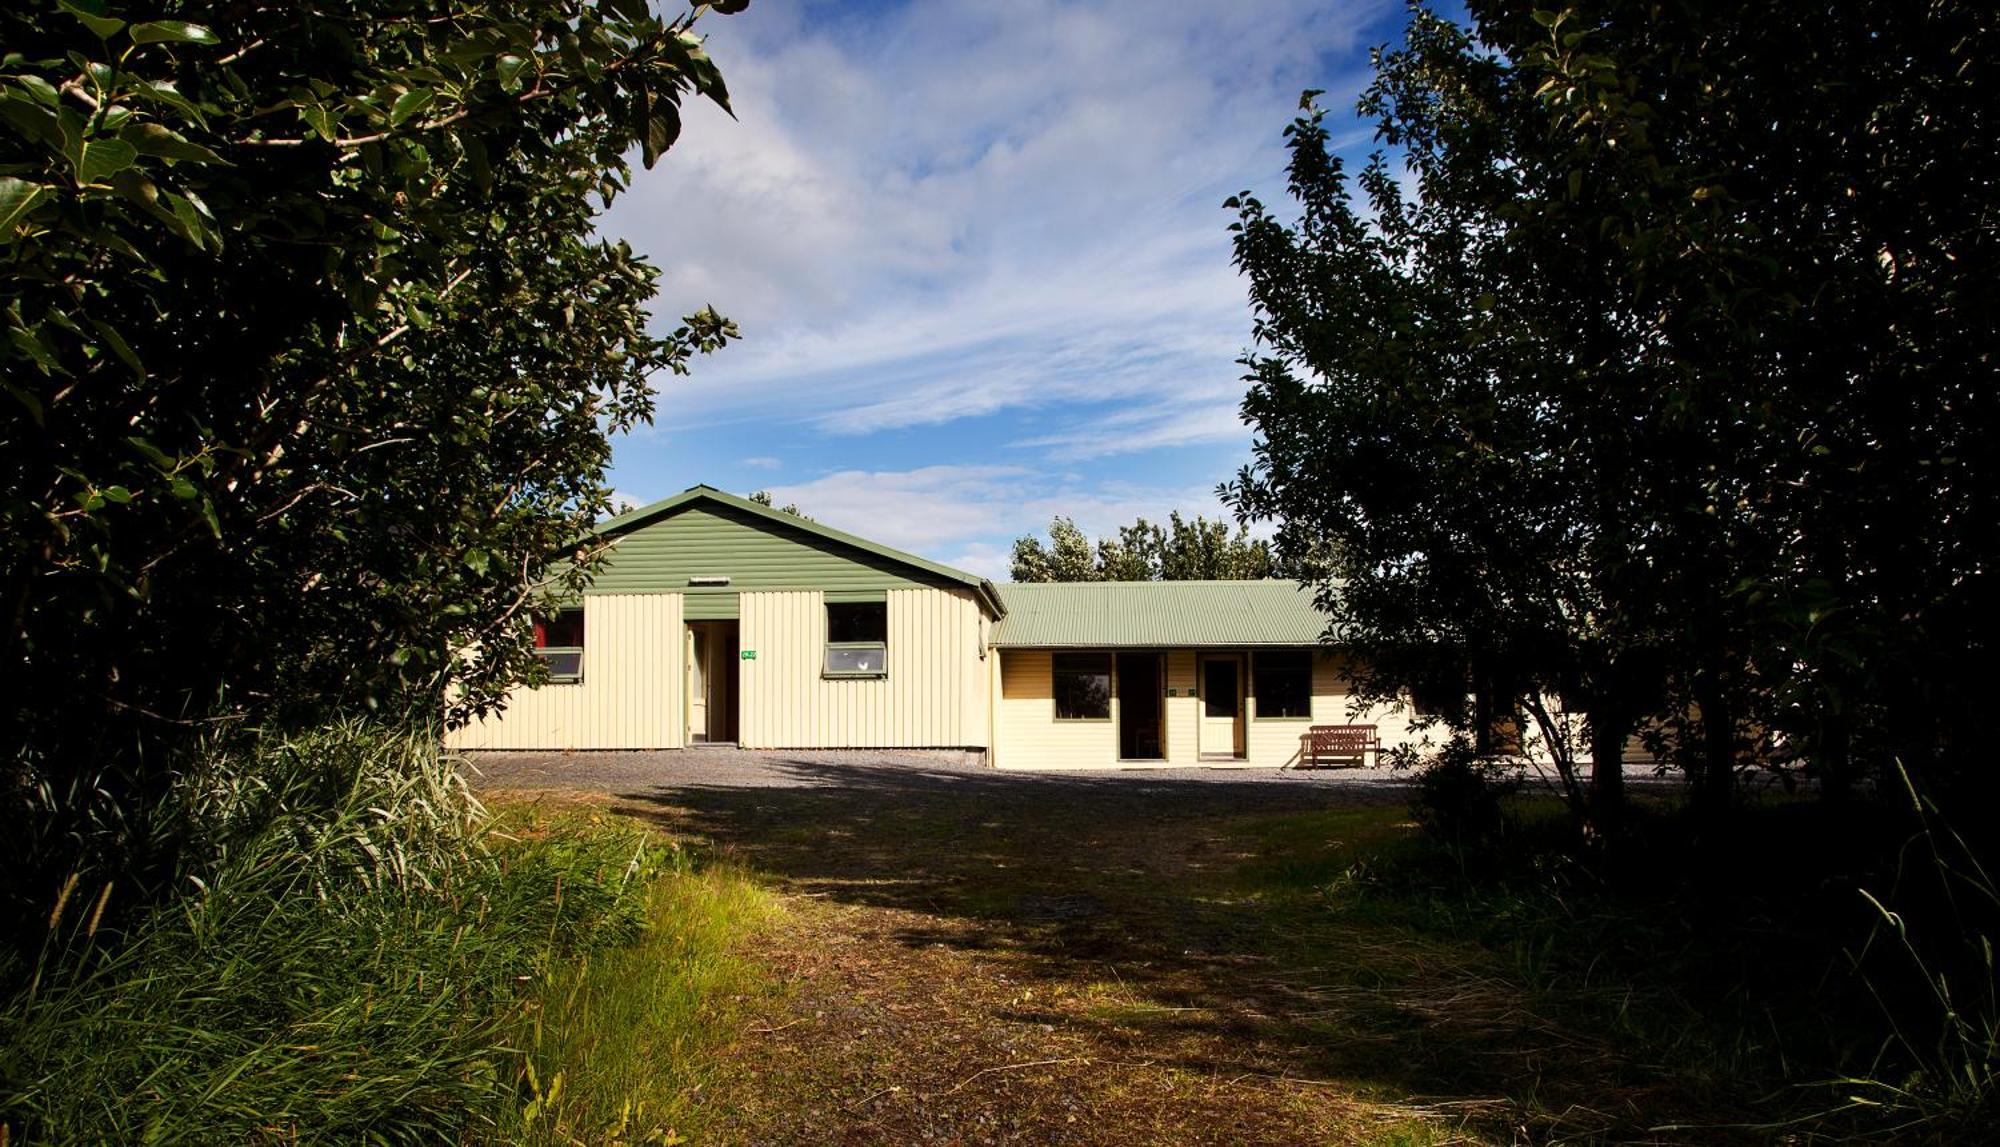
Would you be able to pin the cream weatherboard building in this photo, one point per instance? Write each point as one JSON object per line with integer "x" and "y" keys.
{"x": 720, "y": 620}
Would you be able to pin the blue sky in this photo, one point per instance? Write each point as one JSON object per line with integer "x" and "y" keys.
{"x": 978, "y": 256}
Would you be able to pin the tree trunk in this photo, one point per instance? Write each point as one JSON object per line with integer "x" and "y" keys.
{"x": 1715, "y": 783}
{"x": 1607, "y": 766}
{"x": 1833, "y": 758}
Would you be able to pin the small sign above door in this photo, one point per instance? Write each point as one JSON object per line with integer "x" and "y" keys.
{"x": 749, "y": 655}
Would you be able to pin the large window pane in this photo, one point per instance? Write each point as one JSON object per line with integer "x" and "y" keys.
{"x": 857, "y": 660}
{"x": 857, "y": 621}
{"x": 563, "y": 630}
{"x": 1282, "y": 682}
{"x": 564, "y": 665}
{"x": 1218, "y": 688}
{"x": 1083, "y": 686}
{"x": 559, "y": 643}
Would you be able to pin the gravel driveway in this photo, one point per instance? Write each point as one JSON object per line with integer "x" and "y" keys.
{"x": 910, "y": 773}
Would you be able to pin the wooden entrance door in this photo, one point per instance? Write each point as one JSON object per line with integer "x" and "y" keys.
{"x": 1221, "y": 725}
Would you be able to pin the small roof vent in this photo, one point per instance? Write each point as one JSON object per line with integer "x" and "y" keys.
{"x": 709, "y": 579}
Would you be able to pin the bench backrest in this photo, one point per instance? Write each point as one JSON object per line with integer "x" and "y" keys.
{"x": 1342, "y": 738}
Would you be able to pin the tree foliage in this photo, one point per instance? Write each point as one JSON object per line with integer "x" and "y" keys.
{"x": 1662, "y": 399}
{"x": 764, "y": 498}
{"x": 1181, "y": 550}
{"x": 311, "y": 359}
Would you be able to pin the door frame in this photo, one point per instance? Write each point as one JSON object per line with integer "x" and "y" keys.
{"x": 1159, "y": 695}
{"x": 719, "y": 639}
{"x": 1239, "y": 748}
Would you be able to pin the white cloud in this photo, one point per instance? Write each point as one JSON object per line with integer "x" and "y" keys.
{"x": 762, "y": 463}
{"x": 622, "y": 501}
{"x": 955, "y": 513}
{"x": 980, "y": 208}
{"x": 1145, "y": 428}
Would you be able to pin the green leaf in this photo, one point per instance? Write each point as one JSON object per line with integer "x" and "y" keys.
{"x": 28, "y": 401}
{"x": 184, "y": 489}
{"x": 155, "y": 139}
{"x": 118, "y": 494}
{"x": 316, "y": 117}
{"x": 707, "y": 78}
{"x": 172, "y": 32}
{"x": 509, "y": 67}
{"x": 31, "y": 344}
{"x": 44, "y": 92}
{"x": 119, "y": 346}
{"x": 91, "y": 13}
{"x": 102, "y": 158}
{"x": 410, "y": 103}
{"x": 663, "y": 126}
{"x": 153, "y": 453}
{"x": 17, "y": 198}
{"x": 165, "y": 93}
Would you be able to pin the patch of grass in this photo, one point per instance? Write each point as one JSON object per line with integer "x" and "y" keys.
{"x": 618, "y": 1043}
{"x": 362, "y": 958}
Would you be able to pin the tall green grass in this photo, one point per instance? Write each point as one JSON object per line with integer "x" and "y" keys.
{"x": 360, "y": 956}
{"x": 1820, "y": 972}
{"x": 1935, "y": 921}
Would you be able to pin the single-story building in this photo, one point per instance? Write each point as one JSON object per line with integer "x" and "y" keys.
{"x": 719, "y": 620}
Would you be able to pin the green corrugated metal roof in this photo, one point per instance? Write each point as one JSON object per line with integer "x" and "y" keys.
{"x": 1100, "y": 614}
{"x": 627, "y": 522}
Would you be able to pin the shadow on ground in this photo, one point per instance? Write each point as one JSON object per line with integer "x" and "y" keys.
{"x": 1123, "y": 917}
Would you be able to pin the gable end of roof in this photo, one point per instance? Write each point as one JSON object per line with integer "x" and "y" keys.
{"x": 645, "y": 515}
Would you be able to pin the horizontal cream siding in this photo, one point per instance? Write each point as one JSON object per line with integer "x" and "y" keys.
{"x": 933, "y": 697}
{"x": 1275, "y": 741}
{"x": 1183, "y": 708}
{"x": 1028, "y": 736}
{"x": 630, "y": 695}
{"x": 1027, "y": 724}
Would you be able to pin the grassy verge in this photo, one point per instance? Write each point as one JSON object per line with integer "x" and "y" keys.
{"x": 618, "y": 1043}
{"x": 1705, "y": 980}
{"x": 364, "y": 955}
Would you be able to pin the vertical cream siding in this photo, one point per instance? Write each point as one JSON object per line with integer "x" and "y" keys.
{"x": 1027, "y": 725}
{"x": 630, "y": 696}
{"x": 933, "y": 697}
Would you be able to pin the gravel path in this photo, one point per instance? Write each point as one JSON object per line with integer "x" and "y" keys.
{"x": 911, "y": 774}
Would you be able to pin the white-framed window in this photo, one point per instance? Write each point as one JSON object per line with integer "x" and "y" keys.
{"x": 559, "y": 643}
{"x": 857, "y": 639}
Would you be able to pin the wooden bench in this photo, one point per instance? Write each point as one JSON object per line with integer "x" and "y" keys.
{"x": 1339, "y": 745}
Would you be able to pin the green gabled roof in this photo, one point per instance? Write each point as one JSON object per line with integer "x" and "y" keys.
{"x": 633, "y": 519}
{"x": 1157, "y": 614}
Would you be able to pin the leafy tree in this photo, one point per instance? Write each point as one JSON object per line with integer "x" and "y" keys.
{"x": 311, "y": 359}
{"x": 1183, "y": 550}
{"x": 763, "y": 498}
{"x": 1660, "y": 400}
{"x": 1067, "y": 557}
{"x": 1201, "y": 549}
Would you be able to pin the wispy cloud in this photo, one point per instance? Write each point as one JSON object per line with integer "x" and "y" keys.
{"x": 962, "y": 515}
{"x": 762, "y": 462}
{"x": 977, "y": 208}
